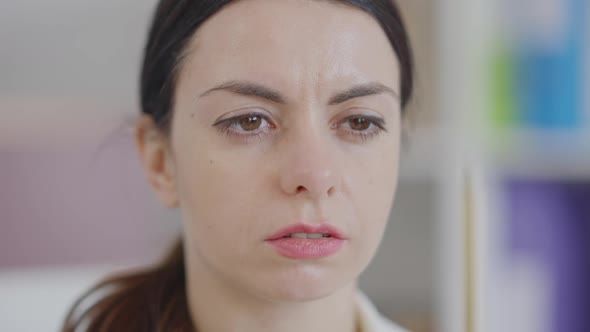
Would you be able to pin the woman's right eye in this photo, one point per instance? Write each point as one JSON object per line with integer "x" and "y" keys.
{"x": 252, "y": 125}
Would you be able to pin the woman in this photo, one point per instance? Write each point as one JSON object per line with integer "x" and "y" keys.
{"x": 275, "y": 127}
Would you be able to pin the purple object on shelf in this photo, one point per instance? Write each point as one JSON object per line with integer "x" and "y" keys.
{"x": 551, "y": 222}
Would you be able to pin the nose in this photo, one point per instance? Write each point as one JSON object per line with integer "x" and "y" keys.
{"x": 309, "y": 170}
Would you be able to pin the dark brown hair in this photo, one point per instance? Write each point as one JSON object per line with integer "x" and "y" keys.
{"x": 154, "y": 299}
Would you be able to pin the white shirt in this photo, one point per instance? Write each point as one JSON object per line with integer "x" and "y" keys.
{"x": 370, "y": 320}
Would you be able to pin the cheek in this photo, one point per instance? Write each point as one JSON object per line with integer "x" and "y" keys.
{"x": 373, "y": 186}
{"x": 217, "y": 198}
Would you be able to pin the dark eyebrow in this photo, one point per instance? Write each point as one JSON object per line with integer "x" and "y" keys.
{"x": 362, "y": 90}
{"x": 249, "y": 89}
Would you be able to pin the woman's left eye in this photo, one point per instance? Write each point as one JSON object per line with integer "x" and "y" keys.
{"x": 362, "y": 126}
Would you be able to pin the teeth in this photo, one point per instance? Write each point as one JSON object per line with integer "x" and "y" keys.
{"x": 315, "y": 236}
{"x": 309, "y": 236}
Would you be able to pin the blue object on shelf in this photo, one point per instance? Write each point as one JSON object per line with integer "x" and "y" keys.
{"x": 551, "y": 67}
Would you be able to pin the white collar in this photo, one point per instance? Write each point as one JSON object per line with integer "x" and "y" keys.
{"x": 370, "y": 320}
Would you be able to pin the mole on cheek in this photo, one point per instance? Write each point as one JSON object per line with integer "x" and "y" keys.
{"x": 211, "y": 161}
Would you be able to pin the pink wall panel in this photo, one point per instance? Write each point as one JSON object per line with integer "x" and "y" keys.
{"x": 76, "y": 205}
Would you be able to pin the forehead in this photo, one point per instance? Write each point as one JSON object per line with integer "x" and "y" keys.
{"x": 290, "y": 43}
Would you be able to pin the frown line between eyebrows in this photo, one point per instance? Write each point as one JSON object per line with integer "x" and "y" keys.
{"x": 248, "y": 88}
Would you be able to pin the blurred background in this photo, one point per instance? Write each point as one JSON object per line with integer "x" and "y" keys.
{"x": 490, "y": 230}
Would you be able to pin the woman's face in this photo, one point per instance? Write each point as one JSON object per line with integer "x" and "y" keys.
{"x": 286, "y": 112}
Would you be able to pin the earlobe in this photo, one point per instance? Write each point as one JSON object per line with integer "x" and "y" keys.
{"x": 156, "y": 159}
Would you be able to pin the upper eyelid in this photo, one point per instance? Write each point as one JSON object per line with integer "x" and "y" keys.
{"x": 373, "y": 118}
{"x": 364, "y": 134}
{"x": 377, "y": 120}
{"x": 251, "y": 113}
{"x": 379, "y": 124}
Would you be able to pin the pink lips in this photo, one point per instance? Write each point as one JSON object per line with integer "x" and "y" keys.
{"x": 307, "y": 248}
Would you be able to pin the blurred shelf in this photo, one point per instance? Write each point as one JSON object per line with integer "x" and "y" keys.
{"x": 46, "y": 120}
{"x": 550, "y": 154}
{"x": 423, "y": 152}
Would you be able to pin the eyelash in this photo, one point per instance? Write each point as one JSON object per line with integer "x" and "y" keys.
{"x": 225, "y": 127}
{"x": 376, "y": 123}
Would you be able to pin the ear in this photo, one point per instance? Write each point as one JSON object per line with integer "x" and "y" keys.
{"x": 156, "y": 157}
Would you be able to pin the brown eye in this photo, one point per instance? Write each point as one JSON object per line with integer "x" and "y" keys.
{"x": 250, "y": 123}
{"x": 359, "y": 124}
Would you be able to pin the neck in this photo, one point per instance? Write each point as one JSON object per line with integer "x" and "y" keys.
{"x": 216, "y": 307}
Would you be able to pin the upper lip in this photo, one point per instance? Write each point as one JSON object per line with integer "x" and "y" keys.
{"x": 308, "y": 229}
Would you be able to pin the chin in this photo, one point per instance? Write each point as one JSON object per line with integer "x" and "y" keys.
{"x": 302, "y": 284}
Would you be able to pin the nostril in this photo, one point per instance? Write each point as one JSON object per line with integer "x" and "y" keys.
{"x": 300, "y": 189}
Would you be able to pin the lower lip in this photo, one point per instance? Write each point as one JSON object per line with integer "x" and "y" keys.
{"x": 299, "y": 248}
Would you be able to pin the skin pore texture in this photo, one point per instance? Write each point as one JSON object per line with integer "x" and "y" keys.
{"x": 285, "y": 112}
